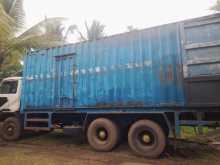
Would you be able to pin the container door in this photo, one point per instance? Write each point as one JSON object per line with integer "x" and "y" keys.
{"x": 64, "y": 92}
{"x": 201, "y": 60}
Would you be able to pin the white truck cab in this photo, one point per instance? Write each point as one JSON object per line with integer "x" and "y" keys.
{"x": 10, "y": 90}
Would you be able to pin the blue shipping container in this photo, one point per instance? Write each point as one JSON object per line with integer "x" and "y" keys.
{"x": 143, "y": 68}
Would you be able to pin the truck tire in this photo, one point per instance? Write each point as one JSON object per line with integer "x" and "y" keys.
{"x": 103, "y": 134}
{"x": 146, "y": 138}
{"x": 11, "y": 129}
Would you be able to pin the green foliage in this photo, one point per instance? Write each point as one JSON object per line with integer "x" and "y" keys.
{"x": 216, "y": 7}
{"x": 93, "y": 32}
{"x": 47, "y": 33}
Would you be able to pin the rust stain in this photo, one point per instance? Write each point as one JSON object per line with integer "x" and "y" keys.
{"x": 166, "y": 75}
{"x": 162, "y": 78}
{"x": 169, "y": 75}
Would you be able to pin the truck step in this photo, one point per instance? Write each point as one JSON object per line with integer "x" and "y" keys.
{"x": 38, "y": 120}
{"x": 37, "y": 129}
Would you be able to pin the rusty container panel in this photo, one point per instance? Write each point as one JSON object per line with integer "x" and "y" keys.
{"x": 140, "y": 68}
{"x": 201, "y": 60}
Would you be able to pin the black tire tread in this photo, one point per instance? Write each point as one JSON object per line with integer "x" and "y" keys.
{"x": 17, "y": 133}
{"x": 161, "y": 143}
{"x": 114, "y": 133}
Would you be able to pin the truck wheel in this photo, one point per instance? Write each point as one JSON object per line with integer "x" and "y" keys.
{"x": 103, "y": 134}
{"x": 146, "y": 138}
{"x": 11, "y": 129}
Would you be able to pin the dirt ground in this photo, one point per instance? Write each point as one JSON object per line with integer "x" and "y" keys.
{"x": 58, "y": 149}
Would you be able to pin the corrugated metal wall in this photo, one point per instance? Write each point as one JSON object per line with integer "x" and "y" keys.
{"x": 141, "y": 68}
{"x": 201, "y": 39}
{"x": 201, "y": 60}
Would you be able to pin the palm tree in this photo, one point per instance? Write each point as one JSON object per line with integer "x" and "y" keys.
{"x": 14, "y": 9}
{"x": 7, "y": 29}
{"x": 216, "y": 7}
{"x": 93, "y": 32}
{"x": 49, "y": 32}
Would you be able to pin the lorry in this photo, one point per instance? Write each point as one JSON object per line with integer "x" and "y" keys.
{"x": 143, "y": 85}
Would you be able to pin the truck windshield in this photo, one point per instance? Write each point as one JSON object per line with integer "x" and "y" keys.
{"x": 8, "y": 87}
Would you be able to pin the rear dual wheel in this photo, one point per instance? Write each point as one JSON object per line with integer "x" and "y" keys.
{"x": 146, "y": 138}
{"x": 103, "y": 134}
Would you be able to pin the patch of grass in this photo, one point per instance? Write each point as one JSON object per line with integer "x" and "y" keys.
{"x": 191, "y": 132}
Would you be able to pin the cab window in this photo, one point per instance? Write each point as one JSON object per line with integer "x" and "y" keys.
{"x": 8, "y": 87}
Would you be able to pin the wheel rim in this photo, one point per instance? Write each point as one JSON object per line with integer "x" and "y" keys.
{"x": 102, "y": 134}
{"x": 10, "y": 129}
{"x": 146, "y": 138}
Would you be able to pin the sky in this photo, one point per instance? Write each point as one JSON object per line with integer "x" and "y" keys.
{"x": 116, "y": 15}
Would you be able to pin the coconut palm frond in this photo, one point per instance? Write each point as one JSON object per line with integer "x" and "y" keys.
{"x": 17, "y": 12}
{"x": 6, "y": 24}
{"x": 14, "y": 8}
{"x": 35, "y": 41}
{"x": 93, "y": 32}
{"x": 70, "y": 30}
{"x": 47, "y": 33}
{"x": 44, "y": 26}
{"x": 216, "y": 7}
